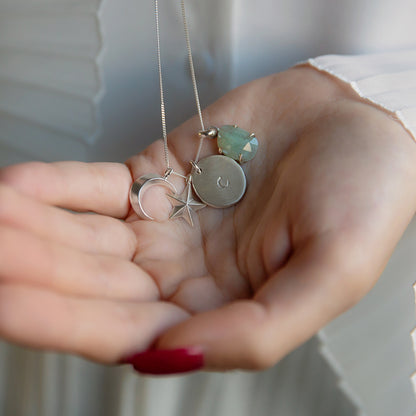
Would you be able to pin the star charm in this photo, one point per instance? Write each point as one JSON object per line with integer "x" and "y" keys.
{"x": 185, "y": 205}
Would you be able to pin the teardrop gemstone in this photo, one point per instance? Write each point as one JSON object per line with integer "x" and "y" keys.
{"x": 237, "y": 143}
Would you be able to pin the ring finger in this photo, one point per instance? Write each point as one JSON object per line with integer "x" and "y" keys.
{"x": 28, "y": 259}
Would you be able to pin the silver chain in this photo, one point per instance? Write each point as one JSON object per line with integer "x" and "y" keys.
{"x": 169, "y": 169}
{"x": 162, "y": 95}
{"x": 194, "y": 83}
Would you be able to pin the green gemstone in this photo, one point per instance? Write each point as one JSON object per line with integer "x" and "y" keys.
{"x": 237, "y": 143}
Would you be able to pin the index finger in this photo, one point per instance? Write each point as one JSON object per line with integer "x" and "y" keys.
{"x": 98, "y": 187}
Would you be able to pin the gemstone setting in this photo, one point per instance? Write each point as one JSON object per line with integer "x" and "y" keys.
{"x": 237, "y": 143}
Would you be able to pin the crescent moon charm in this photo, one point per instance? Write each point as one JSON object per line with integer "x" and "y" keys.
{"x": 139, "y": 185}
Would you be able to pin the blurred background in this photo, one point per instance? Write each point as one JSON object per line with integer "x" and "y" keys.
{"x": 78, "y": 80}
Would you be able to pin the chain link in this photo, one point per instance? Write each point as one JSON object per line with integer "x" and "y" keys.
{"x": 162, "y": 95}
{"x": 194, "y": 83}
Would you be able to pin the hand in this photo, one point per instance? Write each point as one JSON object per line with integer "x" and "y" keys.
{"x": 330, "y": 193}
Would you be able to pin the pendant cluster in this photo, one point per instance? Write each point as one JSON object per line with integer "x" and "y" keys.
{"x": 218, "y": 181}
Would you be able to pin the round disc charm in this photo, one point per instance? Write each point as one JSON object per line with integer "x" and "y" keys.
{"x": 220, "y": 182}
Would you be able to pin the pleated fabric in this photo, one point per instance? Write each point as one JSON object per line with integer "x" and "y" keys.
{"x": 50, "y": 80}
{"x": 371, "y": 345}
{"x": 51, "y": 95}
{"x": 387, "y": 80}
{"x": 39, "y": 384}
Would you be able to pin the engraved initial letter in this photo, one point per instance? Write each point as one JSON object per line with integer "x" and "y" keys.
{"x": 221, "y": 185}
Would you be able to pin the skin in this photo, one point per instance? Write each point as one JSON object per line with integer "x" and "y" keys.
{"x": 330, "y": 193}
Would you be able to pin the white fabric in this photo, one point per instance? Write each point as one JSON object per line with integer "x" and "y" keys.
{"x": 387, "y": 80}
{"x": 370, "y": 345}
{"x": 78, "y": 80}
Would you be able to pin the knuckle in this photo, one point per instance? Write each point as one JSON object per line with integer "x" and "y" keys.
{"x": 352, "y": 269}
{"x": 11, "y": 174}
{"x": 22, "y": 176}
{"x": 98, "y": 173}
{"x": 357, "y": 285}
{"x": 5, "y": 196}
{"x": 259, "y": 353}
{"x": 131, "y": 241}
{"x": 91, "y": 229}
{"x": 257, "y": 345}
{"x": 4, "y": 312}
{"x": 10, "y": 206}
{"x": 260, "y": 361}
{"x": 11, "y": 322}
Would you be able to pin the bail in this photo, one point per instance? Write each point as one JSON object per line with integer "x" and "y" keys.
{"x": 195, "y": 167}
{"x": 212, "y": 133}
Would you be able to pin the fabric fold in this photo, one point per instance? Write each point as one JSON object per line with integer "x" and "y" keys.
{"x": 388, "y": 80}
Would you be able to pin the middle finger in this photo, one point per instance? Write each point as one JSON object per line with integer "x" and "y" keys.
{"x": 92, "y": 233}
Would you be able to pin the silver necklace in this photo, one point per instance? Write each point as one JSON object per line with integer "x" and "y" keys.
{"x": 217, "y": 181}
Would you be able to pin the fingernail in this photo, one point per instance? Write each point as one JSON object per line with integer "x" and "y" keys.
{"x": 165, "y": 362}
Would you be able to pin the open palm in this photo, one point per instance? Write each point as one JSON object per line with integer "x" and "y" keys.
{"x": 330, "y": 192}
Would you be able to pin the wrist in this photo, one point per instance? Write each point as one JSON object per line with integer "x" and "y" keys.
{"x": 339, "y": 88}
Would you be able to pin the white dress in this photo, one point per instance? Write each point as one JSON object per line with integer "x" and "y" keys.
{"x": 78, "y": 80}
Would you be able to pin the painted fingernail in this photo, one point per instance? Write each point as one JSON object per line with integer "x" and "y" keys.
{"x": 165, "y": 362}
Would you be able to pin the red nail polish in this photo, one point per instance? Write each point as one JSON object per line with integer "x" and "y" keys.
{"x": 164, "y": 362}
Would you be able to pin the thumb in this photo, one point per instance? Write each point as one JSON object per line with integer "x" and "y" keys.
{"x": 321, "y": 280}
